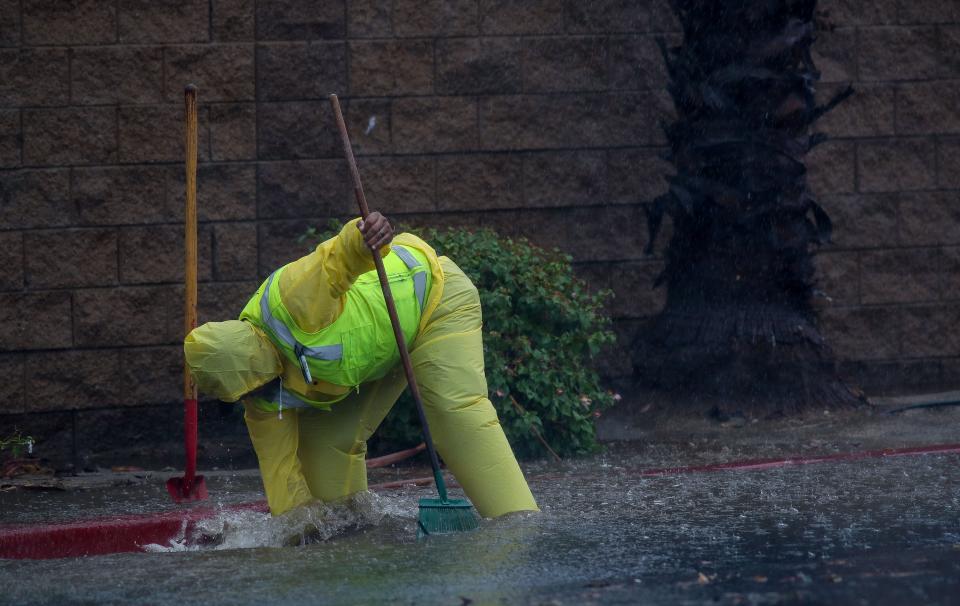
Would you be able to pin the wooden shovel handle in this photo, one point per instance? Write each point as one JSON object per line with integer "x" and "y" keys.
{"x": 190, "y": 235}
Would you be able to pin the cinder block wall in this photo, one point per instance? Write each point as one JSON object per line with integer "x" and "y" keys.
{"x": 537, "y": 118}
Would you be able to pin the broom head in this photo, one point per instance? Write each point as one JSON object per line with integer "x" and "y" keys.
{"x": 444, "y": 516}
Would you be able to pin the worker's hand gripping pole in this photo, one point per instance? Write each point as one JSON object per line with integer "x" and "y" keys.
{"x": 388, "y": 297}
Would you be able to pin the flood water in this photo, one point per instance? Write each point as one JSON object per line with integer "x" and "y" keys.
{"x": 878, "y": 531}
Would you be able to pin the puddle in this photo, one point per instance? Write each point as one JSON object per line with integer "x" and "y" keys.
{"x": 879, "y": 531}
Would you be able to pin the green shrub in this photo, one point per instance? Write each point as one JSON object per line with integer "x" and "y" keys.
{"x": 542, "y": 330}
{"x": 16, "y": 444}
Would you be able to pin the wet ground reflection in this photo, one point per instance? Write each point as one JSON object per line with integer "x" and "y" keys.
{"x": 875, "y": 531}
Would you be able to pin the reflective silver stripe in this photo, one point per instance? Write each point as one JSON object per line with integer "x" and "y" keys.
{"x": 419, "y": 278}
{"x": 279, "y": 328}
{"x": 406, "y": 257}
{"x": 420, "y": 285}
{"x": 324, "y": 352}
{"x": 273, "y": 391}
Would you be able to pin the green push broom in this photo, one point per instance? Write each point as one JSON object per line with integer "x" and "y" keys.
{"x": 437, "y": 516}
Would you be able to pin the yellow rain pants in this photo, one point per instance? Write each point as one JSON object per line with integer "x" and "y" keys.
{"x": 314, "y": 454}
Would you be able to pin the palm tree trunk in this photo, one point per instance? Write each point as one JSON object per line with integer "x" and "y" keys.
{"x": 738, "y": 323}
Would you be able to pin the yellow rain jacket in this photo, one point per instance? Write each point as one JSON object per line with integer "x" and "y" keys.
{"x": 310, "y": 428}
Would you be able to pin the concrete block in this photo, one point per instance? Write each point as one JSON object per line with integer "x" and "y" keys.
{"x": 902, "y": 275}
{"x": 225, "y": 192}
{"x": 71, "y": 258}
{"x": 898, "y": 53}
{"x": 155, "y": 254}
{"x": 12, "y": 392}
{"x": 10, "y": 20}
{"x": 431, "y": 18}
{"x": 10, "y": 138}
{"x": 637, "y": 175}
{"x": 948, "y": 163}
{"x": 631, "y": 283}
{"x": 838, "y": 278}
{"x": 164, "y": 21}
{"x": 861, "y": 333}
{"x": 71, "y": 135}
{"x": 564, "y": 64}
{"x": 116, "y": 74}
{"x": 606, "y": 16}
{"x": 121, "y": 195}
{"x": 478, "y": 65}
{"x": 130, "y": 315}
{"x": 391, "y": 67}
{"x": 930, "y": 330}
{"x": 19, "y": 84}
{"x": 70, "y": 380}
{"x": 863, "y": 221}
{"x": 235, "y": 251}
{"x": 835, "y": 54}
{"x": 500, "y": 17}
{"x": 300, "y": 20}
{"x": 396, "y": 185}
{"x": 479, "y": 181}
{"x": 896, "y": 165}
{"x": 369, "y": 124}
{"x": 929, "y": 218}
{"x": 369, "y": 19}
{"x": 233, "y": 131}
{"x": 56, "y": 22}
{"x": 224, "y": 72}
{"x": 832, "y": 168}
{"x": 295, "y": 130}
{"x": 565, "y": 179}
{"x": 928, "y": 108}
{"x": 11, "y": 260}
{"x": 36, "y": 198}
{"x": 308, "y": 188}
{"x": 868, "y": 113}
{"x": 636, "y": 62}
{"x": 154, "y": 133}
{"x": 301, "y": 70}
{"x": 35, "y": 320}
{"x": 233, "y": 20}
{"x": 434, "y": 124}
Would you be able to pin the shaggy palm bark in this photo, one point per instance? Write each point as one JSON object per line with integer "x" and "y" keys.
{"x": 738, "y": 324}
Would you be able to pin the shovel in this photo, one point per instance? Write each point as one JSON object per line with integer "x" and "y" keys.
{"x": 190, "y": 487}
{"x": 437, "y": 516}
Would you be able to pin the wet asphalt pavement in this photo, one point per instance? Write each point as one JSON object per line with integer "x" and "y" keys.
{"x": 875, "y": 531}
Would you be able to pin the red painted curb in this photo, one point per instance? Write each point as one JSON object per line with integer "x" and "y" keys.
{"x": 103, "y": 536}
{"x": 761, "y": 464}
{"x": 131, "y": 533}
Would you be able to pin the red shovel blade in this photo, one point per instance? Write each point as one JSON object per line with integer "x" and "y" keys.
{"x": 190, "y": 487}
{"x": 182, "y": 490}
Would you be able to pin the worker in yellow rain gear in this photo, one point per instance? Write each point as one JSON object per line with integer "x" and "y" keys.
{"x": 314, "y": 361}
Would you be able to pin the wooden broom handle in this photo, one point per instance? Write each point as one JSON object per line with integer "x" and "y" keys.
{"x": 388, "y": 297}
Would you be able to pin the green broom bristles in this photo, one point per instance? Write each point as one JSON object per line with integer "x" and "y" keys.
{"x": 442, "y": 516}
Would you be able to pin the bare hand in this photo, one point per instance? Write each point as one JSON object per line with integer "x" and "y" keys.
{"x": 377, "y": 231}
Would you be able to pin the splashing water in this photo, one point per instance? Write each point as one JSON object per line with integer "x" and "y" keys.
{"x": 315, "y": 522}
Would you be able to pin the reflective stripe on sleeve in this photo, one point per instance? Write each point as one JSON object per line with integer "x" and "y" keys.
{"x": 419, "y": 278}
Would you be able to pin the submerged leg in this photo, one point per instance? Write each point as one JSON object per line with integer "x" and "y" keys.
{"x": 275, "y": 442}
{"x": 448, "y": 362}
{"x": 333, "y": 445}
